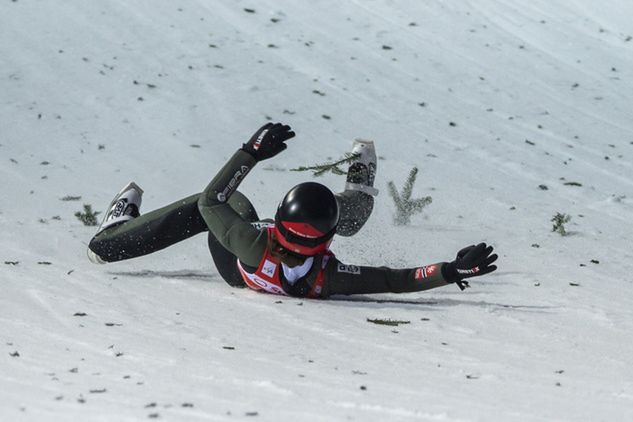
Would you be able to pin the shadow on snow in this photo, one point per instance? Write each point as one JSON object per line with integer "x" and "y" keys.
{"x": 182, "y": 274}
{"x": 438, "y": 303}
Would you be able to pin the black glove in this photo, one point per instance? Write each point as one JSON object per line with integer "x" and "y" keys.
{"x": 471, "y": 261}
{"x": 268, "y": 141}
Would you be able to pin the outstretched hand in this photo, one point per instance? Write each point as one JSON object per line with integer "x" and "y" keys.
{"x": 268, "y": 141}
{"x": 472, "y": 261}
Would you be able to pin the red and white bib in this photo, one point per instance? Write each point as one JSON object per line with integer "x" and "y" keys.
{"x": 267, "y": 277}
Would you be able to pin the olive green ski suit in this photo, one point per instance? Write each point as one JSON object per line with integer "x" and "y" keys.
{"x": 235, "y": 233}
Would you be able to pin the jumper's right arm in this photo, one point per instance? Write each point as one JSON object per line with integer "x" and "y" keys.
{"x": 232, "y": 231}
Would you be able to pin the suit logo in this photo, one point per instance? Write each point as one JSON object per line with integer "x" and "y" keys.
{"x": 269, "y": 268}
{"x": 425, "y": 272}
{"x": 350, "y": 269}
{"x": 258, "y": 141}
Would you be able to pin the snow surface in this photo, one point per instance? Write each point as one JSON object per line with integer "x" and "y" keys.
{"x": 489, "y": 98}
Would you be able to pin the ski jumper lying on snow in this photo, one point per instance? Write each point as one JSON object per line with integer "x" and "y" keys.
{"x": 289, "y": 255}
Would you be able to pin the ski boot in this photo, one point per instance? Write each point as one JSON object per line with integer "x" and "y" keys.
{"x": 362, "y": 171}
{"x": 356, "y": 202}
{"x": 124, "y": 207}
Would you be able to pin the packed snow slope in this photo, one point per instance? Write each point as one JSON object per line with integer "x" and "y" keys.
{"x": 513, "y": 111}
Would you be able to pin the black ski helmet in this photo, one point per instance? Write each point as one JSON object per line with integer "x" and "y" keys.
{"x": 306, "y": 218}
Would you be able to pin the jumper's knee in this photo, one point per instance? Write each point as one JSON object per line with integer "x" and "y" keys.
{"x": 225, "y": 263}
